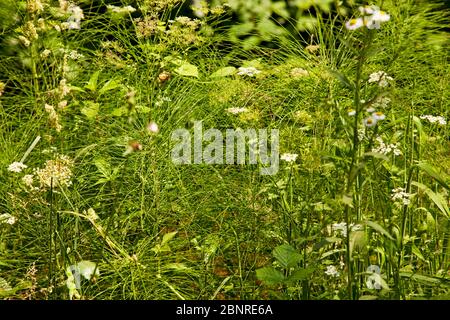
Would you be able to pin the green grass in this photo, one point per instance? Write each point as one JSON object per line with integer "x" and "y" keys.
{"x": 228, "y": 219}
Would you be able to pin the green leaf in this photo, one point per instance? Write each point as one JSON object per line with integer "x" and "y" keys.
{"x": 287, "y": 256}
{"x": 421, "y": 278}
{"x": 167, "y": 237}
{"x": 441, "y": 178}
{"x": 223, "y": 72}
{"x": 108, "y": 86}
{"x": 187, "y": 69}
{"x": 118, "y": 112}
{"x": 270, "y": 275}
{"x": 91, "y": 109}
{"x": 92, "y": 84}
{"x": 103, "y": 166}
{"x": 342, "y": 78}
{"x": 300, "y": 274}
{"x": 437, "y": 198}
{"x": 379, "y": 229}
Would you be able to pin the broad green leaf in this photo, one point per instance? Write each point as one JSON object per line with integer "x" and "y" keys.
{"x": 223, "y": 72}
{"x": 421, "y": 278}
{"x": 103, "y": 166}
{"x": 300, "y": 274}
{"x": 437, "y": 198}
{"x": 442, "y": 178}
{"x": 118, "y": 112}
{"x": 417, "y": 252}
{"x": 187, "y": 69}
{"x": 379, "y": 229}
{"x": 270, "y": 275}
{"x": 342, "y": 78}
{"x": 108, "y": 86}
{"x": 143, "y": 109}
{"x": 287, "y": 256}
{"x": 91, "y": 109}
{"x": 167, "y": 237}
{"x": 92, "y": 84}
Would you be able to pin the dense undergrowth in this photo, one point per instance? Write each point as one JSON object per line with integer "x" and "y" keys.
{"x": 92, "y": 205}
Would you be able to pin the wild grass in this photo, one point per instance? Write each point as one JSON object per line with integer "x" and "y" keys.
{"x": 156, "y": 230}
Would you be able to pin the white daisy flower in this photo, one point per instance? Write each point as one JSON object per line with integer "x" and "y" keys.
{"x": 378, "y": 116}
{"x": 351, "y": 112}
{"x": 370, "y": 122}
{"x": 354, "y": 24}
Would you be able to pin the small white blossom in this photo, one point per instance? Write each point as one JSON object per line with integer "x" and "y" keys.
{"x": 332, "y": 271}
{"x": 236, "y": 110}
{"x": 121, "y": 10}
{"x": 354, "y": 24}
{"x": 374, "y": 21}
{"x": 386, "y": 149}
{"x": 152, "y": 127}
{"x": 248, "y": 71}
{"x": 16, "y": 167}
{"x": 289, "y": 157}
{"x": 381, "y": 78}
{"x": 378, "y": 116}
{"x": 381, "y": 103}
{"x": 400, "y": 195}
{"x": 433, "y": 119}
{"x": 7, "y": 218}
{"x": 370, "y": 121}
{"x": 74, "y": 21}
{"x": 341, "y": 228}
{"x": 351, "y": 112}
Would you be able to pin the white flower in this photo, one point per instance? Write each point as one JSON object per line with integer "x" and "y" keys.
{"x": 289, "y": 157}
{"x": 28, "y": 180}
{"x": 370, "y": 122}
{"x": 121, "y": 10}
{"x": 341, "y": 228}
{"x": 16, "y": 167}
{"x": 400, "y": 195}
{"x": 433, "y": 119}
{"x": 248, "y": 71}
{"x": 386, "y": 148}
{"x": 152, "y": 127}
{"x": 351, "y": 112}
{"x": 332, "y": 271}
{"x": 381, "y": 78}
{"x": 374, "y": 21}
{"x": 7, "y": 218}
{"x": 381, "y": 103}
{"x": 378, "y": 116}
{"x": 236, "y": 110}
{"x": 74, "y": 21}
{"x": 354, "y": 24}
{"x": 45, "y": 53}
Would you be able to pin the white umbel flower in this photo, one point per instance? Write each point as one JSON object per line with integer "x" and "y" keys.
{"x": 289, "y": 157}
{"x": 248, "y": 71}
{"x": 400, "y": 195}
{"x": 332, "y": 271}
{"x": 433, "y": 119}
{"x": 16, "y": 167}
{"x": 236, "y": 110}
{"x": 7, "y": 218}
{"x": 381, "y": 78}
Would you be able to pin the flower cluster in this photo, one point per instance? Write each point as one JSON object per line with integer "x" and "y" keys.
{"x": 236, "y": 110}
{"x": 17, "y": 167}
{"x": 400, "y": 195}
{"x": 341, "y": 228}
{"x": 121, "y": 10}
{"x": 372, "y": 17}
{"x": 7, "y": 218}
{"x": 57, "y": 172}
{"x": 433, "y": 119}
{"x": 381, "y": 78}
{"x": 248, "y": 71}
{"x": 53, "y": 117}
{"x": 289, "y": 157}
{"x": 332, "y": 271}
{"x": 386, "y": 149}
{"x": 76, "y": 15}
